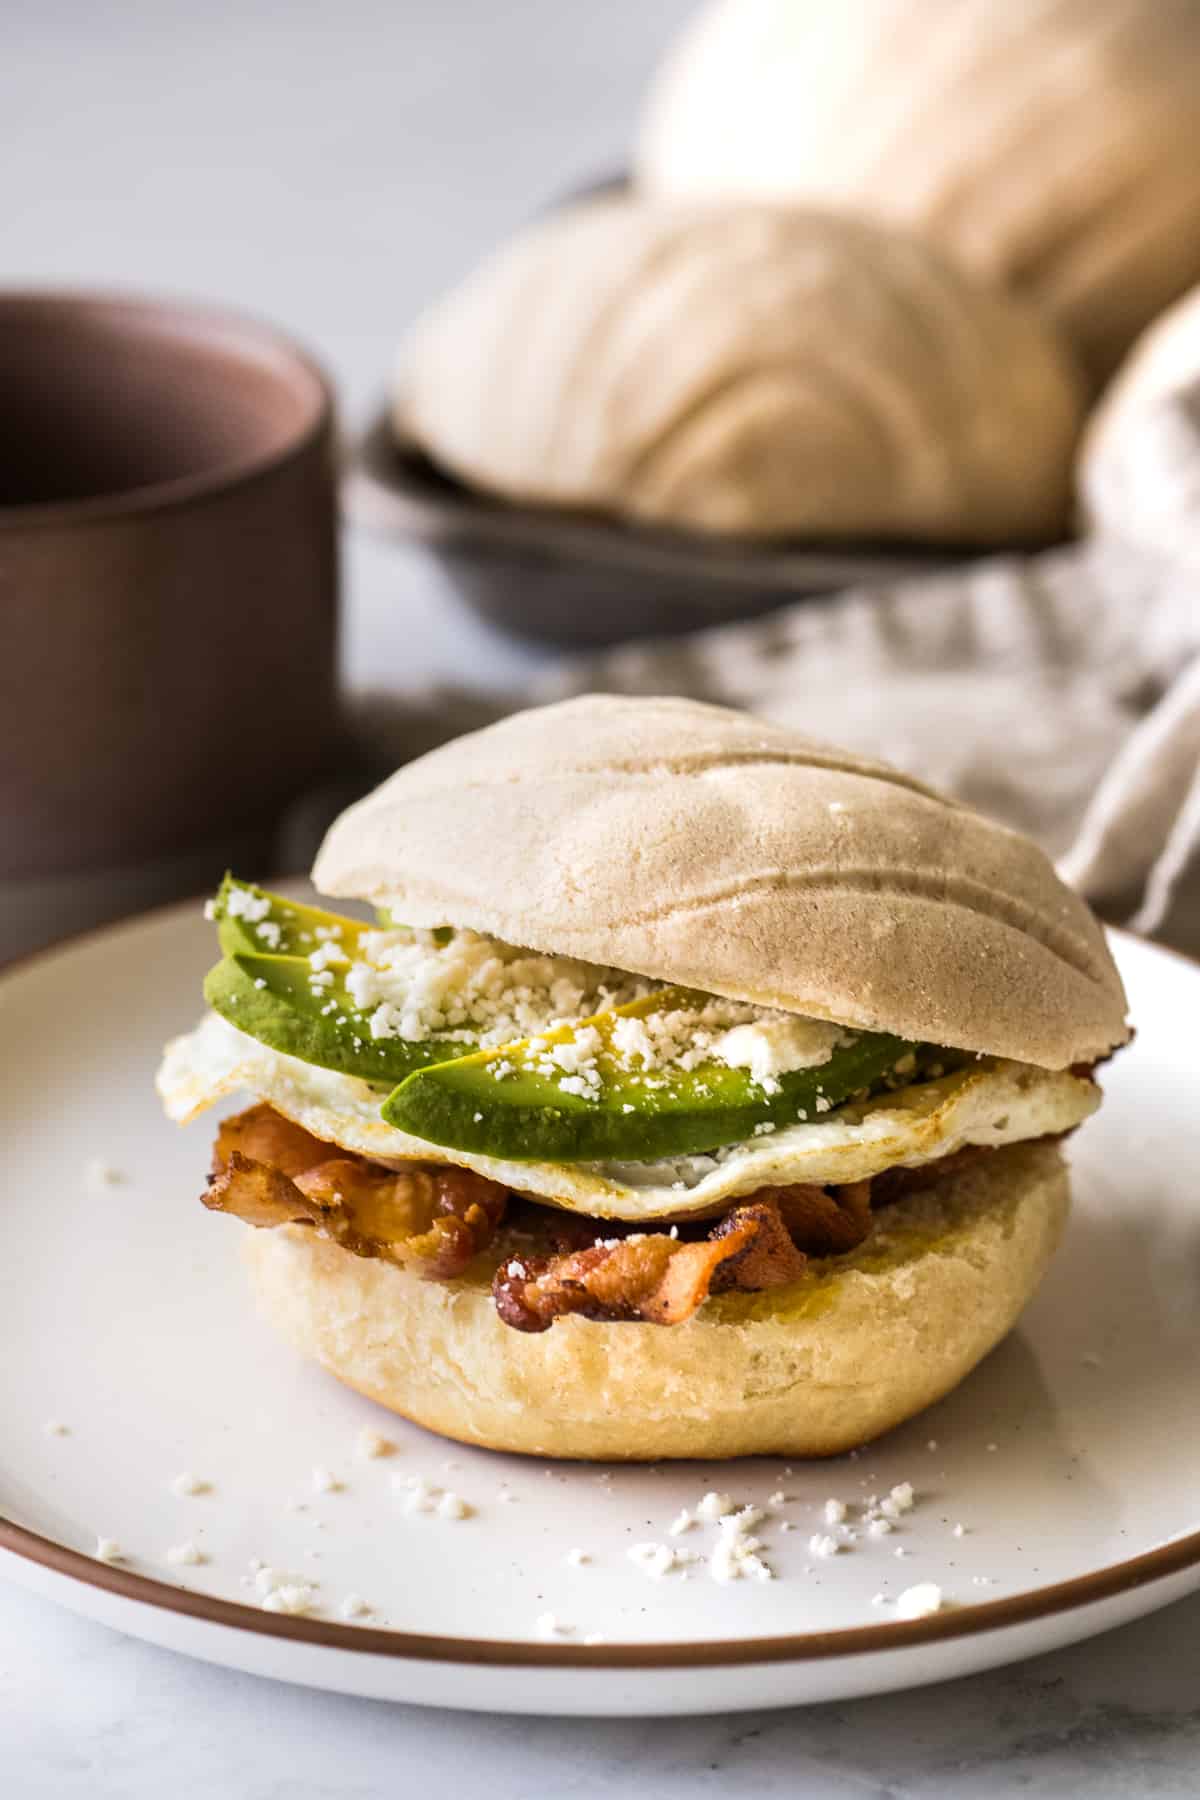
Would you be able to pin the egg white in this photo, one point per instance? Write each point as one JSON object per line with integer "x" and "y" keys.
{"x": 993, "y": 1102}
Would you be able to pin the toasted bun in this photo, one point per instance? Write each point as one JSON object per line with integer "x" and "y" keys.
{"x": 862, "y": 1343}
{"x": 697, "y": 845}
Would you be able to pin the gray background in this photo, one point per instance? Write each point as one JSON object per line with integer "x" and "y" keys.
{"x": 333, "y": 167}
{"x": 330, "y": 166}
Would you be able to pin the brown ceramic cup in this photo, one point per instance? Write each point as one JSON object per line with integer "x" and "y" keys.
{"x": 167, "y": 582}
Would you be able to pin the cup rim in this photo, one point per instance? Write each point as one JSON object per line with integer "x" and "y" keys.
{"x": 198, "y": 319}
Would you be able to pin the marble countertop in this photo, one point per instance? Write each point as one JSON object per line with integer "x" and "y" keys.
{"x": 333, "y": 167}
{"x": 86, "y": 1713}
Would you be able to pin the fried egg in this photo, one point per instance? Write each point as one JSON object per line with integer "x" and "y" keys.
{"x": 992, "y": 1102}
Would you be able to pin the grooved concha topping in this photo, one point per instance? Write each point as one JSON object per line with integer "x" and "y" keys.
{"x": 745, "y": 369}
{"x": 1050, "y": 144}
{"x": 696, "y": 845}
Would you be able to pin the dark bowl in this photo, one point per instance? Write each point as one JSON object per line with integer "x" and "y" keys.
{"x": 578, "y": 579}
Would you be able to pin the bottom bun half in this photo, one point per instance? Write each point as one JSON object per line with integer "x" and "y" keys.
{"x": 863, "y": 1342}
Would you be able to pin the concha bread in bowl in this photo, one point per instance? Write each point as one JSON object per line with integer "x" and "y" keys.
{"x": 1053, "y": 145}
{"x": 756, "y": 370}
{"x": 861, "y": 1343}
{"x": 1139, "y": 461}
{"x": 693, "y": 844}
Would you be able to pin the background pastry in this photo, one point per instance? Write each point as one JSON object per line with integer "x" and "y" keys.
{"x": 1138, "y": 461}
{"x": 758, "y": 370}
{"x": 1052, "y": 144}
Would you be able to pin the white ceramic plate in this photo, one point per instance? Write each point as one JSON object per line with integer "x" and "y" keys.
{"x": 121, "y": 1307}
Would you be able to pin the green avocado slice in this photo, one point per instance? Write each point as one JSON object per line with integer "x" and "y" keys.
{"x": 271, "y": 998}
{"x": 266, "y": 986}
{"x": 500, "y": 1103}
{"x": 254, "y": 922}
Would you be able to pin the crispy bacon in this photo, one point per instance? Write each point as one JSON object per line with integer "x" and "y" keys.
{"x": 824, "y": 1221}
{"x": 651, "y": 1277}
{"x": 268, "y": 1172}
{"x": 437, "y": 1218}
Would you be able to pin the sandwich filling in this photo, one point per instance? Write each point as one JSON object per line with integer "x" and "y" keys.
{"x": 616, "y": 1148}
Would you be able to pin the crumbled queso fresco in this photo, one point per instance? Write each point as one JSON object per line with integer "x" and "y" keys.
{"x": 474, "y": 989}
{"x": 471, "y": 989}
{"x": 240, "y": 904}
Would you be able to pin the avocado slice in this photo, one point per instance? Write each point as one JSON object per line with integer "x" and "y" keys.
{"x": 254, "y": 922}
{"x": 500, "y": 1103}
{"x": 266, "y": 986}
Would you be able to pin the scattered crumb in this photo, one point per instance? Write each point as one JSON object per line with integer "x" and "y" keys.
{"x": 932, "y": 1444}
{"x": 960, "y": 1531}
{"x": 283, "y": 1593}
{"x": 901, "y": 1551}
{"x": 577, "y": 1558}
{"x": 422, "y": 1496}
{"x": 821, "y": 1544}
{"x": 878, "y": 1528}
{"x": 325, "y": 1481}
{"x": 370, "y": 1444}
{"x": 779, "y": 1498}
{"x": 880, "y": 1600}
{"x": 920, "y": 1601}
{"x": 549, "y": 1625}
{"x": 100, "y": 1175}
{"x": 993, "y": 1446}
{"x": 185, "y": 1554}
{"x": 736, "y": 1556}
{"x": 715, "y": 1506}
{"x": 295, "y": 1598}
{"x": 742, "y": 1520}
{"x": 56, "y": 1428}
{"x": 108, "y": 1551}
{"x": 835, "y": 1512}
{"x": 683, "y": 1521}
{"x": 659, "y": 1560}
{"x": 354, "y": 1606}
{"x": 785, "y": 1525}
{"x": 187, "y": 1483}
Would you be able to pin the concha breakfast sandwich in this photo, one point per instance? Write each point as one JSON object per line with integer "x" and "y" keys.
{"x": 697, "y": 1090}
{"x": 756, "y": 370}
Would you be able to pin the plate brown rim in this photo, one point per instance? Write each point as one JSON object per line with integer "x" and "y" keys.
{"x": 1150, "y": 1566}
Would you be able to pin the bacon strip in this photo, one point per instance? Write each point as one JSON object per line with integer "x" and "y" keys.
{"x": 437, "y": 1218}
{"x": 651, "y": 1277}
{"x": 268, "y": 1172}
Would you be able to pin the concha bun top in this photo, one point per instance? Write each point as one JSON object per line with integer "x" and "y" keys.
{"x": 1052, "y": 144}
{"x": 692, "y": 844}
{"x": 748, "y": 369}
